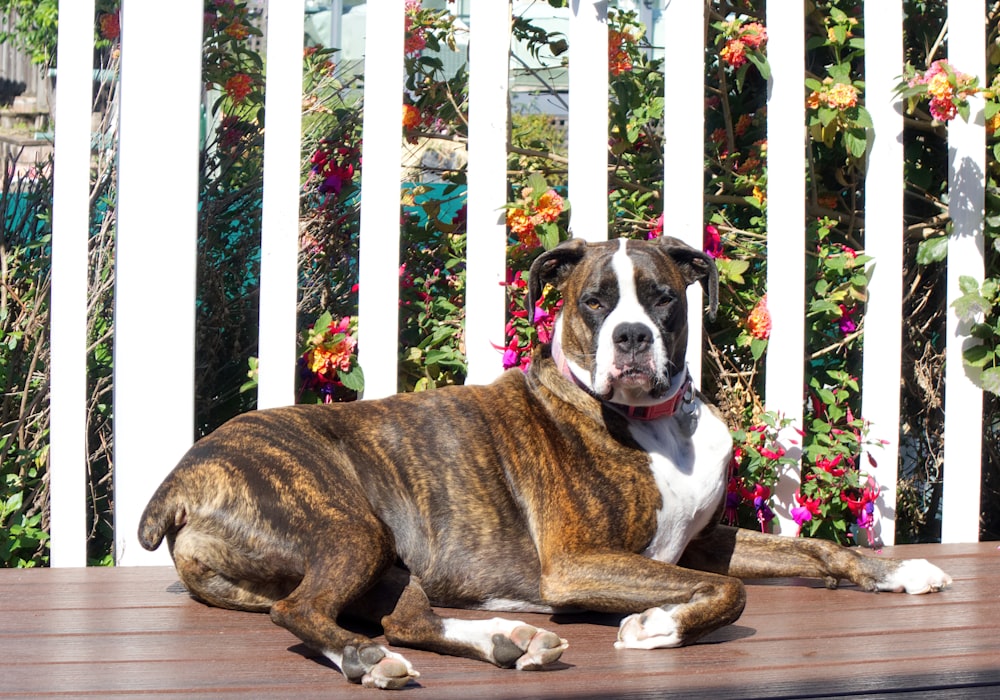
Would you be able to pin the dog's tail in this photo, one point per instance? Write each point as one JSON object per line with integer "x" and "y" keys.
{"x": 164, "y": 514}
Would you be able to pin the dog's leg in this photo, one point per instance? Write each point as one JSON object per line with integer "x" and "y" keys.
{"x": 218, "y": 574}
{"x": 671, "y": 606}
{"x": 310, "y": 613}
{"x": 505, "y": 643}
{"x": 749, "y": 554}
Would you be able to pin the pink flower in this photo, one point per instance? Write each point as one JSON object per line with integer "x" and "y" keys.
{"x": 712, "y": 242}
{"x": 657, "y": 229}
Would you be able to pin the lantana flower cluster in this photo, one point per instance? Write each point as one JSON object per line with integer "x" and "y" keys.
{"x": 836, "y": 95}
{"x": 533, "y": 218}
{"x": 741, "y": 40}
{"x": 620, "y": 45}
{"x": 947, "y": 89}
{"x": 328, "y": 367}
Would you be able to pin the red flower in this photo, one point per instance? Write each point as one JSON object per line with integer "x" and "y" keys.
{"x": 110, "y": 26}
{"x": 830, "y": 466}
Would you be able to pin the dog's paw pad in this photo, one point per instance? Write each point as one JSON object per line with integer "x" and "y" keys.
{"x": 376, "y": 667}
{"x": 391, "y": 673}
{"x": 915, "y": 576}
{"x": 655, "y": 628}
{"x": 527, "y": 648}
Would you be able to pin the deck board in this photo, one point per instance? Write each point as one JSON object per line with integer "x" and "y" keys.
{"x": 132, "y": 632}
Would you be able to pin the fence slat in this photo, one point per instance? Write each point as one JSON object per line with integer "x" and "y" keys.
{"x": 280, "y": 213}
{"x": 587, "y": 131}
{"x": 68, "y": 339}
{"x": 884, "y": 241}
{"x": 486, "y": 243}
{"x": 786, "y": 232}
{"x": 684, "y": 153}
{"x": 963, "y": 400}
{"x": 156, "y": 257}
{"x": 378, "y": 301}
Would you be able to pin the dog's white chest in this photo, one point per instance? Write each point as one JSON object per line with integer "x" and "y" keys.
{"x": 690, "y": 472}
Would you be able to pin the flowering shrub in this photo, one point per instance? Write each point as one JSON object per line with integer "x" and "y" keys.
{"x": 839, "y": 487}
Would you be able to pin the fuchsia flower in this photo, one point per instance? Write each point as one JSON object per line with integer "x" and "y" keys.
{"x": 807, "y": 508}
{"x": 847, "y": 324}
{"x": 862, "y": 506}
{"x": 657, "y": 229}
{"x": 712, "y": 242}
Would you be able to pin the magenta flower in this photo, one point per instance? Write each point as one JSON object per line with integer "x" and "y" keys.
{"x": 712, "y": 242}
{"x": 847, "y": 323}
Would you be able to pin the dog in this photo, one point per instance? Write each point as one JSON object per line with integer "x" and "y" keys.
{"x": 595, "y": 480}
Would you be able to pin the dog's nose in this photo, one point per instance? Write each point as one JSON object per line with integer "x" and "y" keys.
{"x": 632, "y": 337}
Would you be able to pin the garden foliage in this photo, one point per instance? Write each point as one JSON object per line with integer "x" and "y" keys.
{"x": 839, "y": 485}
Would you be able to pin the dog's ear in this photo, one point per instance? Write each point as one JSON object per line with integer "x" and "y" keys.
{"x": 552, "y": 267}
{"x": 695, "y": 266}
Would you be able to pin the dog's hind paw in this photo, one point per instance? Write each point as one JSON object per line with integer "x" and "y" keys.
{"x": 655, "y": 628}
{"x": 374, "y": 666}
{"x": 528, "y": 648}
{"x": 915, "y": 576}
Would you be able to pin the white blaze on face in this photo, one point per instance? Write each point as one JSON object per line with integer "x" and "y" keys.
{"x": 628, "y": 310}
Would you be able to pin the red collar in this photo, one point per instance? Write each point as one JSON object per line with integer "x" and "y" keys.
{"x": 664, "y": 409}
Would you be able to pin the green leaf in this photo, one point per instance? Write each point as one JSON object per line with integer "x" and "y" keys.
{"x": 353, "y": 380}
{"x": 968, "y": 284}
{"x": 932, "y": 250}
{"x": 864, "y": 118}
{"x": 759, "y": 60}
{"x": 978, "y": 356}
{"x": 538, "y": 184}
{"x": 757, "y": 347}
{"x": 990, "y": 380}
{"x": 969, "y": 306}
{"x": 856, "y": 141}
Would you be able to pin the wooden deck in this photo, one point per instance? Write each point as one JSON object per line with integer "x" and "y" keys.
{"x": 134, "y": 631}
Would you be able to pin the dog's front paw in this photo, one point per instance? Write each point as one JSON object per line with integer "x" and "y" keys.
{"x": 527, "y": 648}
{"x": 915, "y": 576}
{"x": 376, "y": 667}
{"x": 655, "y": 628}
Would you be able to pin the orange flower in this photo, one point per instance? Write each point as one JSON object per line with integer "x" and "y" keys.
{"x": 619, "y": 60}
{"x": 237, "y": 31}
{"x": 734, "y": 53}
{"x": 759, "y": 320}
{"x": 238, "y": 87}
{"x": 549, "y": 206}
{"x": 411, "y": 116}
{"x": 519, "y": 222}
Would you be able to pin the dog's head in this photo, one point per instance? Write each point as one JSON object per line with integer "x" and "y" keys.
{"x": 623, "y": 324}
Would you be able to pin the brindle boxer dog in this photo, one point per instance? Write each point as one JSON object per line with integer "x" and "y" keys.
{"x": 595, "y": 481}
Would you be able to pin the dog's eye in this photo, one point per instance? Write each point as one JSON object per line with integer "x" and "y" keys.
{"x": 666, "y": 299}
{"x": 593, "y": 303}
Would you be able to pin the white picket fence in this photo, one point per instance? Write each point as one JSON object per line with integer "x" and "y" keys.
{"x": 159, "y": 134}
